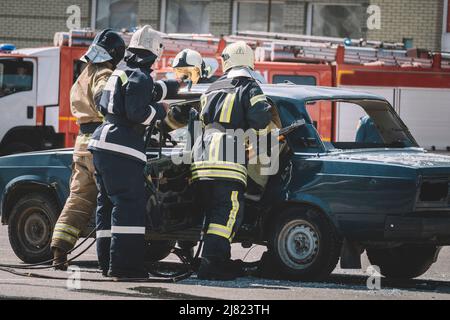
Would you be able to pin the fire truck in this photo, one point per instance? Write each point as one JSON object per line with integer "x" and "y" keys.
{"x": 35, "y": 83}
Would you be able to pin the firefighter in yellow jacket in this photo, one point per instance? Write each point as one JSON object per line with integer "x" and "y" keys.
{"x": 233, "y": 103}
{"x": 105, "y": 53}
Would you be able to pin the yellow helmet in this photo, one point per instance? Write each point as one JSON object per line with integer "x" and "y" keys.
{"x": 188, "y": 64}
{"x": 238, "y": 54}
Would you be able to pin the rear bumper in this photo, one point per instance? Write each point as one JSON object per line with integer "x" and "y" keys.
{"x": 433, "y": 229}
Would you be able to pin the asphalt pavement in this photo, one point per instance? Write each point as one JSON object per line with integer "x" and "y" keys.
{"x": 342, "y": 284}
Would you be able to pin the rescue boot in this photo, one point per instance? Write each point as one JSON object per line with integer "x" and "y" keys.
{"x": 60, "y": 259}
{"x": 220, "y": 270}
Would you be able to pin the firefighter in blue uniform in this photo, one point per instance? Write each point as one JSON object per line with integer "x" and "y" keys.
{"x": 233, "y": 102}
{"x": 367, "y": 131}
{"x": 129, "y": 106}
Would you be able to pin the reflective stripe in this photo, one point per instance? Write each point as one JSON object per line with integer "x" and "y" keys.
{"x": 227, "y": 108}
{"x": 234, "y": 210}
{"x": 102, "y": 144}
{"x": 203, "y": 101}
{"x": 257, "y": 99}
{"x": 122, "y": 75}
{"x": 103, "y": 234}
{"x": 219, "y": 230}
{"x": 164, "y": 89}
{"x": 214, "y": 148}
{"x": 64, "y": 236}
{"x": 215, "y": 173}
{"x": 150, "y": 117}
{"x": 112, "y": 82}
{"x": 219, "y": 165}
{"x": 127, "y": 230}
{"x": 67, "y": 228}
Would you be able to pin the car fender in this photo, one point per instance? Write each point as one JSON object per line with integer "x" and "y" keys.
{"x": 306, "y": 199}
{"x": 28, "y": 180}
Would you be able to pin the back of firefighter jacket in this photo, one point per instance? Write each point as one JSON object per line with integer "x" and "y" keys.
{"x": 230, "y": 107}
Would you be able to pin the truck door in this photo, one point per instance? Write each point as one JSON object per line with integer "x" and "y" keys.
{"x": 18, "y": 94}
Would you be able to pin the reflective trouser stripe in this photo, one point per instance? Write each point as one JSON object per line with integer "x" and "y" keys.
{"x": 67, "y": 229}
{"x": 227, "y": 108}
{"x": 103, "y": 234}
{"x": 227, "y": 231}
{"x": 127, "y": 230}
{"x": 219, "y": 230}
{"x": 234, "y": 210}
{"x": 61, "y": 235}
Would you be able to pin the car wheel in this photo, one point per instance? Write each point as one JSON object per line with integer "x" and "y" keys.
{"x": 304, "y": 245}
{"x": 158, "y": 250}
{"x": 30, "y": 227}
{"x": 404, "y": 262}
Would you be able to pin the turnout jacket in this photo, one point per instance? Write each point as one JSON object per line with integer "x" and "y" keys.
{"x": 229, "y": 103}
{"x": 86, "y": 92}
{"x": 129, "y": 104}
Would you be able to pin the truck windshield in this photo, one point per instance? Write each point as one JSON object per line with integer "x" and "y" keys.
{"x": 15, "y": 76}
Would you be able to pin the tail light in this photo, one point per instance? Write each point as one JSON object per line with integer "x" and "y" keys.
{"x": 40, "y": 116}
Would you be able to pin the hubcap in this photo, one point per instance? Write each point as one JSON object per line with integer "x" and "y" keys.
{"x": 36, "y": 230}
{"x": 298, "y": 244}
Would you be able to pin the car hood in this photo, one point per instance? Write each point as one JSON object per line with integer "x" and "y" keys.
{"x": 413, "y": 158}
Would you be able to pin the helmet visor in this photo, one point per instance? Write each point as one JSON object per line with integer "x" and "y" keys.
{"x": 96, "y": 54}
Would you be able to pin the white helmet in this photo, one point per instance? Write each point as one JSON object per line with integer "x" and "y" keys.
{"x": 189, "y": 64}
{"x": 238, "y": 54}
{"x": 147, "y": 39}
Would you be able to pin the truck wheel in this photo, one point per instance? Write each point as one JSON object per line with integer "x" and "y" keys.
{"x": 304, "y": 245}
{"x": 404, "y": 262}
{"x": 30, "y": 227}
{"x": 158, "y": 250}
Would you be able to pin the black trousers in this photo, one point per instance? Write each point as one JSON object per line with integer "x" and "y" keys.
{"x": 120, "y": 215}
{"x": 223, "y": 203}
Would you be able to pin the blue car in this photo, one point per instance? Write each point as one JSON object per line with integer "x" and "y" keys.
{"x": 327, "y": 201}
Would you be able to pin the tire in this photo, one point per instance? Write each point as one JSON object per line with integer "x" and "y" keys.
{"x": 158, "y": 250}
{"x": 304, "y": 245}
{"x": 30, "y": 227}
{"x": 404, "y": 262}
{"x": 15, "y": 148}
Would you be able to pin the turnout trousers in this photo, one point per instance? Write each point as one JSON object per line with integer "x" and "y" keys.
{"x": 121, "y": 214}
{"x": 81, "y": 203}
{"x": 223, "y": 203}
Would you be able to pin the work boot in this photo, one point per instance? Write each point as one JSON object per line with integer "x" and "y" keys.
{"x": 221, "y": 270}
{"x": 60, "y": 259}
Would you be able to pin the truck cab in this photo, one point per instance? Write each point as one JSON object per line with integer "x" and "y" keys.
{"x": 29, "y": 83}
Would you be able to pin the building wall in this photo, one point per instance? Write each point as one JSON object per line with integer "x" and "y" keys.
{"x": 28, "y": 24}
{"x": 33, "y": 23}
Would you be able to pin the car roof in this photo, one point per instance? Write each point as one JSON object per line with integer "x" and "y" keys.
{"x": 307, "y": 93}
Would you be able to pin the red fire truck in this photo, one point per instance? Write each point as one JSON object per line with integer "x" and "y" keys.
{"x": 35, "y": 83}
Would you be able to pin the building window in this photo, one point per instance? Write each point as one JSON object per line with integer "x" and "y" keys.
{"x": 336, "y": 20}
{"x": 185, "y": 16}
{"x": 258, "y": 16}
{"x": 116, "y": 14}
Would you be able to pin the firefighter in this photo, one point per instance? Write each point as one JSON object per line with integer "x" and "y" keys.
{"x": 233, "y": 102}
{"x": 129, "y": 106}
{"x": 367, "y": 131}
{"x": 106, "y": 51}
{"x": 189, "y": 64}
